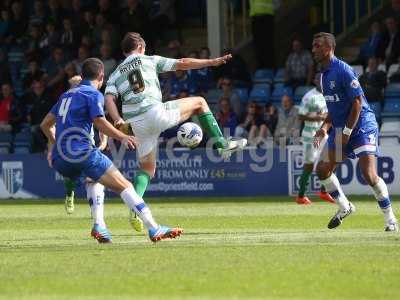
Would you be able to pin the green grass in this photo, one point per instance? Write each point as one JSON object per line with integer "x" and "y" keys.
{"x": 232, "y": 248}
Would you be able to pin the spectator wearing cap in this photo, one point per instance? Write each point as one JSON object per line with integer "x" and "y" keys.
{"x": 299, "y": 66}
{"x": 287, "y": 130}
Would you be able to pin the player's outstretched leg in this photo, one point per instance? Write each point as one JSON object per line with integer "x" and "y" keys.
{"x": 380, "y": 191}
{"x": 69, "y": 195}
{"x": 115, "y": 181}
{"x": 95, "y": 196}
{"x": 198, "y": 106}
{"x": 141, "y": 181}
{"x": 332, "y": 186}
{"x": 304, "y": 179}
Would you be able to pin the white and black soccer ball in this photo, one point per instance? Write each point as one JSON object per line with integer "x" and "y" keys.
{"x": 189, "y": 135}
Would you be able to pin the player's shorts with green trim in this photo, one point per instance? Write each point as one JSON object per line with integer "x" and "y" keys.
{"x": 148, "y": 126}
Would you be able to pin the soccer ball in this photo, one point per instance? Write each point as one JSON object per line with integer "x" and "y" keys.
{"x": 189, "y": 135}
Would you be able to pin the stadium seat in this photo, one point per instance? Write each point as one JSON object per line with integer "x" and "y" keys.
{"x": 279, "y": 91}
{"x": 358, "y": 69}
{"x": 392, "y": 90}
{"x": 22, "y": 139}
{"x": 393, "y": 69}
{"x": 243, "y": 94}
{"x": 213, "y": 95}
{"x": 263, "y": 76}
{"x": 300, "y": 92}
{"x": 391, "y": 127}
{"x": 260, "y": 93}
{"x": 279, "y": 75}
{"x": 391, "y": 108}
{"x": 4, "y": 150}
{"x": 22, "y": 150}
{"x": 5, "y": 139}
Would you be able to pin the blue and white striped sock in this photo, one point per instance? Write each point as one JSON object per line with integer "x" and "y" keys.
{"x": 333, "y": 187}
{"x": 381, "y": 194}
{"x": 136, "y": 203}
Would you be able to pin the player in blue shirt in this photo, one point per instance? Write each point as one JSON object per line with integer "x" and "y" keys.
{"x": 74, "y": 156}
{"x": 352, "y": 129}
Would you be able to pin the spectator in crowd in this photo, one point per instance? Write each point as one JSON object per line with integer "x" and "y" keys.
{"x": 50, "y": 39}
{"x": 395, "y": 76}
{"x": 38, "y": 103}
{"x": 18, "y": 24}
{"x": 69, "y": 38}
{"x": 34, "y": 41}
{"x": 4, "y": 24}
{"x": 39, "y": 13}
{"x": 75, "y": 11}
{"x": 250, "y": 123}
{"x": 89, "y": 23}
{"x": 234, "y": 99}
{"x": 70, "y": 71}
{"x": 270, "y": 120}
{"x": 389, "y": 46}
{"x": 108, "y": 61}
{"x": 236, "y": 69}
{"x": 368, "y": 49}
{"x": 108, "y": 36}
{"x": 101, "y": 24}
{"x": 299, "y": 66}
{"x": 6, "y": 102}
{"x": 134, "y": 18}
{"x": 34, "y": 73}
{"x": 5, "y": 75}
{"x": 54, "y": 68}
{"x": 175, "y": 49}
{"x": 287, "y": 130}
{"x": 181, "y": 81}
{"x": 373, "y": 82}
{"x": 165, "y": 85}
{"x": 226, "y": 118}
{"x": 163, "y": 17}
{"x": 205, "y": 76}
{"x": 107, "y": 10}
{"x": 83, "y": 54}
{"x": 55, "y": 13}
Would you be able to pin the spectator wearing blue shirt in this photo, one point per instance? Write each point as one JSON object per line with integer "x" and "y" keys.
{"x": 368, "y": 49}
{"x": 180, "y": 82}
{"x": 352, "y": 132}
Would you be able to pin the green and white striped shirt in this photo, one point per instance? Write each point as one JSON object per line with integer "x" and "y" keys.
{"x": 313, "y": 102}
{"x": 136, "y": 81}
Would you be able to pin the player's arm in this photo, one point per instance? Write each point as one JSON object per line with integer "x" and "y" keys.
{"x": 112, "y": 109}
{"x": 313, "y": 117}
{"x": 48, "y": 128}
{"x": 353, "y": 117}
{"x": 103, "y": 141}
{"x": 323, "y": 131}
{"x": 108, "y": 129}
{"x": 194, "y": 63}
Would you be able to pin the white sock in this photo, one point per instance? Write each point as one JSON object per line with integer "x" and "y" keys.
{"x": 136, "y": 203}
{"x": 381, "y": 194}
{"x": 95, "y": 196}
{"x": 333, "y": 187}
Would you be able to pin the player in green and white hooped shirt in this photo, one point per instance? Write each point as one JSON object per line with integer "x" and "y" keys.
{"x": 313, "y": 112}
{"x": 136, "y": 81}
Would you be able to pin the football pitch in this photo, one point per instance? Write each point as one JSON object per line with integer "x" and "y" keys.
{"x": 232, "y": 248}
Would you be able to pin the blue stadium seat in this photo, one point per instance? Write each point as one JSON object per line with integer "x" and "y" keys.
{"x": 4, "y": 150}
{"x": 279, "y": 91}
{"x": 300, "y": 92}
{"x": 263, "y": 76}
{"x": 213, "y": 95}
{"x": 260, "y": 94}
{"x": 5, "y": 139}
{"x": 243, "y": 94}
{"x": 392, "y": 90}
{"x": 391, "y": 108}
{"x": 279, "y": 75}
{"x": 22, "y": 150}
{"x": 22, "y": 139}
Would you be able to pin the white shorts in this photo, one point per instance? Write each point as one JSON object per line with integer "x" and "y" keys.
{"x": 148, "y": 126}
{"x": 310, "y": 153}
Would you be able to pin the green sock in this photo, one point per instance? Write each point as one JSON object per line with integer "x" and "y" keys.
{"x": 141, "y": 181}
{"x": 210, "y": 126}
{"x": 69, "y": 186}
{"x": 323, "y": 189}
{"x": 304, "y": 182}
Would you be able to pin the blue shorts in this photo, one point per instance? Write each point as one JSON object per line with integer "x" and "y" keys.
{"x": 361, "y": 142}
{"x": 93, "y": 166}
